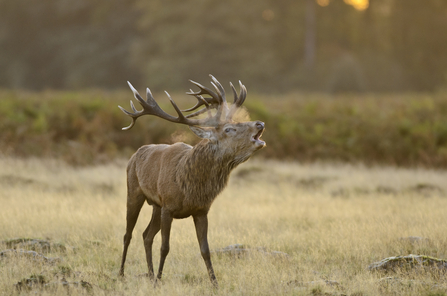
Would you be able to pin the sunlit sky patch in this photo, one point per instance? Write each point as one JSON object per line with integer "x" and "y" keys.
{"x": 358, "y": 4}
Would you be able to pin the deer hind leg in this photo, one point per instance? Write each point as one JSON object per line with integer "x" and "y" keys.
{"x": 201, "y": 224}
{"x": 133, "y": 210}
{"x": 148, "y": 236}
{"x": 165, "y": 225}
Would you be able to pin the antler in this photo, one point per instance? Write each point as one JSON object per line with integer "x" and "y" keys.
{"x": 150, "y": 107}
{"x": 217, "y": 101}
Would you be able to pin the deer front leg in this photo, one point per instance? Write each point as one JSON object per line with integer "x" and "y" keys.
{"x": 201, "y": 223}
{"x": 148, "y": 236}
{"x": 166, "y": 222}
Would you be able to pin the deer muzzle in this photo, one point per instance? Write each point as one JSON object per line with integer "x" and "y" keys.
{"x": 260, "y": 126}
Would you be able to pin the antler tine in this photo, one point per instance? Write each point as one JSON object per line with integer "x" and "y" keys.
{"x": 200, "y": 101}
{"x": 219, "y": 88}
{"x": 238, "y": 100}
{"x": 149, "y": 98}
{"x": 130, "y": 114}
{"x": 181, "y": 118}
{"x": 205, "y": 91}
{"x": 136, "y": 113}
{"x": 243, "y": 93}
{"x": 234, "y": 93}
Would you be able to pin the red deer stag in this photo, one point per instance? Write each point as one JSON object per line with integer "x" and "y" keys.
{"x": 179, "y": 180}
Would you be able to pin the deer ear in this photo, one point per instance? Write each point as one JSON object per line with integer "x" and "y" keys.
{"x": 202, "y": 132}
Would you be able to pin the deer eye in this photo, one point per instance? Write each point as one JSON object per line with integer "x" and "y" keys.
{"x": 229, "y": 129}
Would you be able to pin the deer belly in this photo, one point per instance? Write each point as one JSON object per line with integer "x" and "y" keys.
{"x": 152, "y": 198}
{"x": 185, "y": 213}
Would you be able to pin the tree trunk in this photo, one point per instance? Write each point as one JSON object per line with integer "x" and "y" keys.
{"x": 310, "y": 37}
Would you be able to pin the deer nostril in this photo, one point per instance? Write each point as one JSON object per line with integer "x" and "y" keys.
{"x": 260, "y": 124}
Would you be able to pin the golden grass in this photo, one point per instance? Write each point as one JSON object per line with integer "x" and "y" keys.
{"x": 332, "y": 220}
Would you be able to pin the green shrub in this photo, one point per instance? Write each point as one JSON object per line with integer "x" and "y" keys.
{"x": 85, "y": 127}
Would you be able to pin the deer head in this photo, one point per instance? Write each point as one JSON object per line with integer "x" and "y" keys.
{"x": 237, "y": 139}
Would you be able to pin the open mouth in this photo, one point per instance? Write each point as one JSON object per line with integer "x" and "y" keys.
{"x": 256, "y": 138}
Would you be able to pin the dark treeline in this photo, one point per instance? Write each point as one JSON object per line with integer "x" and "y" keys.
{"x": 272, "y": 45}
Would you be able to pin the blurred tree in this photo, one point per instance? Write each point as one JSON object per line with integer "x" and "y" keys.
{"x": 391, "y": 45}
{"x": 310, "y": 39}
{"x": 189, "y": 40}
{"x": 418, "y": 35}
{"x": 61, "y": 43}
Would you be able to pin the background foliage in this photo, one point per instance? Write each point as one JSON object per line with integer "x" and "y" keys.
{"x": 391, "y": 45}
{"x": 85, "y": 127}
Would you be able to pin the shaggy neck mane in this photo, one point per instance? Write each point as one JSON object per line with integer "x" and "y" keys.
{"x": 203, "y": 173}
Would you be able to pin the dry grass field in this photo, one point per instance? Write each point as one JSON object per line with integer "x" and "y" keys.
{"x": 331, "y": 220}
